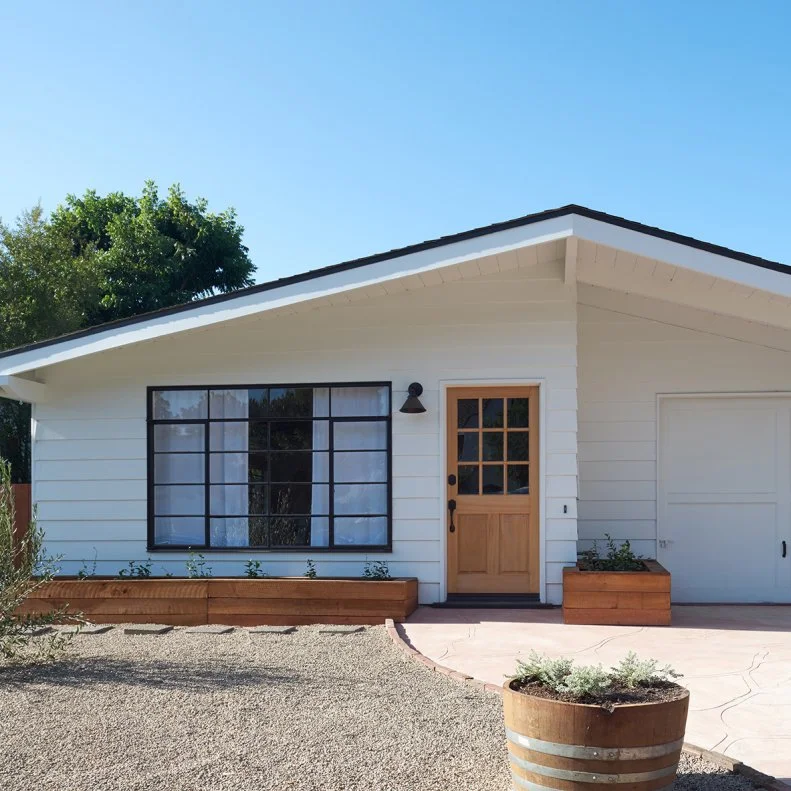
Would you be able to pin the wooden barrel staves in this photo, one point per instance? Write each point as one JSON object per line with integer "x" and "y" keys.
{"x": 578, "y": 747}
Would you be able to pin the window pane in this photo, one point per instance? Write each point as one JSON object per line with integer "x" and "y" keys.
{"x": 180, "y": 404}
{"x": 362, "y": 467}
{"x": 232, "y": 532}
{"x": 292, "y": 435}
{"x": 518, "y": 412}
{"x": 493, "y": 480}
{"x": 468, "y": 479}
{"x": 228, "y": 403}
{"x": 179, "y": 437}
{"x": 258, "y": 435}
{"x": 366, "y": 435}
{"x": 179, "y": 500}
{"x": 361, "y": 531}
{"x": 468, "y": 412}
{"x": 237, "y": 500}
{"x": 238, "y": 467}
{"x": 258, "y": 403}
{"x": 179, "y": 530}
{"x": 518, "y": 444}
{"x": 321, "y": 402}
{"x": 289, "y": 531}
{"x": 518, "y": 479}
{"x": 300, "y": 499}
{"x": 492, "y": 412}
{"x": 492, "y": 446}
{"x": 300, "y": 467}
{"x": 179, "y": 467}
{"x": 228, "y": 436}
{"x": 319, "y": 531}
{"x": 468, "y": 447}
{"x": 359, "y": 401}
{"x": 291, "y": 402}
{"x": 360, "y": 499}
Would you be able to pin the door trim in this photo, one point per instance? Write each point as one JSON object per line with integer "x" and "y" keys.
{"x": 444, "y": 386}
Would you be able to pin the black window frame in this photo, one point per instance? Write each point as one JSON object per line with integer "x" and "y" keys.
{"x": 387, "y": 419}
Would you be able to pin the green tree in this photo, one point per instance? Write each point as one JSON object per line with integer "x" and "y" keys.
{"x": 150, "y": 253}
{"x": 100, "y": 258}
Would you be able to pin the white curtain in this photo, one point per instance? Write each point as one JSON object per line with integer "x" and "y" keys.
{"x": 320, "y": 492}
{"x": 359, "y": 497}
{"x": 229, "y": 468}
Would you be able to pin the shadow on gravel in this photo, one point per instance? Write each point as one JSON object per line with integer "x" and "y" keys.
{"x": 154, "y": 674}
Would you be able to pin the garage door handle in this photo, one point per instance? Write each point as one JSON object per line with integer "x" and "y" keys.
{"x": 451, "y": 509}
{"x": 785, "y": 549}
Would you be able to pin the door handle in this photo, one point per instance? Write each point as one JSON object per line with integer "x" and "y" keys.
{"x": 785, "y": 549}
{"x": 451, "y": 509}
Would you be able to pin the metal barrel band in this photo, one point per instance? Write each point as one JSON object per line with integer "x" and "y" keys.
{"x": 592, "y": 753}
{"x": 592, "y": 777}
{"x": 529, "y": 786}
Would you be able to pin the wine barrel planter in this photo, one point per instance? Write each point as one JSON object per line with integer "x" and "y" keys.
{"x": 580, "y": 747}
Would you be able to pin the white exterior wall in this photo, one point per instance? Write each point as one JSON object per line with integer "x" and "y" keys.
{"x": 89, "y": 450}
{"x": 625, "y": 360}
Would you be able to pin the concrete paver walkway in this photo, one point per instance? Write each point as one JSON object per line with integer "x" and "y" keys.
{"x": 736, "y": 662}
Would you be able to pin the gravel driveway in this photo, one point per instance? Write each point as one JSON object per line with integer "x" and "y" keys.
{"x": 241, "y": 711}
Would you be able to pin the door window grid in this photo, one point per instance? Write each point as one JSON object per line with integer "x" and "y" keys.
{"x": 493, "y": 436}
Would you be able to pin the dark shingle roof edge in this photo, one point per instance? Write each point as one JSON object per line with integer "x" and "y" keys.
{"x": 357, "y": 263}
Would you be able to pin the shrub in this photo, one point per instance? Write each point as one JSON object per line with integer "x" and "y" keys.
{"x": 618, "y": 558}
{"x": 310, "y": 570}
{"x": 376, "y": 570}
{"x": 633, "y": 672}
{"x": 24, "y": 569}
{"x": 591, "y": 681}
{"x": 252, "y": 569}
{"x": 134, "y": 569}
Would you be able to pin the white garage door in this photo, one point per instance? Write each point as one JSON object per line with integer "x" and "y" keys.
{"x": 724, "y": 498}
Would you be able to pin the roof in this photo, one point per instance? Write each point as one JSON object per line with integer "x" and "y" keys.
{"x": 368, "y": 261}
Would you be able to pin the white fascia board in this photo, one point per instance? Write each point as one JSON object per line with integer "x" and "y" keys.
{"x": 681, "y": 255}
{"x": 20, "y": 389}
{"x": 321, "y": 286}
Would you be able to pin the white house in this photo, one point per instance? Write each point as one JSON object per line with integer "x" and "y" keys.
{"x": 582, "y": 374}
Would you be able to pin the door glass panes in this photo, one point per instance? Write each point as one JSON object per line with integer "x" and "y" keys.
{"x": 468, "y": 412}
{"x": 468, "y": 479}
{"x": 493, "y": 446}
{"x": 271, "y": 466}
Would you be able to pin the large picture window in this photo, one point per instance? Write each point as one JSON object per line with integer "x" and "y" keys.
{"x": 270, "y": 467}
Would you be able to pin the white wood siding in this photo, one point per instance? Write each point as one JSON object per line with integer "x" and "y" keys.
{"x": 90, "y": 450}
{"x": 631, "y": 349}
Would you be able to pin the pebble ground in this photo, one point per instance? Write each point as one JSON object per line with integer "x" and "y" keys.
{"x": 240, "y": 712}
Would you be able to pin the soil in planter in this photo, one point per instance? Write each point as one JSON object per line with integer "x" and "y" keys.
{"x": 616, "y": 695}
{"x": 606, "y": 566}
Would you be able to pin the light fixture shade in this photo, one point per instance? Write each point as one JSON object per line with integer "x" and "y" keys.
{"x": 412, "y": 405}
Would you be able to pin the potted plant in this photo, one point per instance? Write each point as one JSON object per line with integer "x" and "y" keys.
{"x": 572, "y": 727}
{"x": 620, "y": 588}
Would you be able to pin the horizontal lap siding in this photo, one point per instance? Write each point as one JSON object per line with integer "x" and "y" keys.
{"x": 624, "y": 362}
{"x": 90, "y": 439}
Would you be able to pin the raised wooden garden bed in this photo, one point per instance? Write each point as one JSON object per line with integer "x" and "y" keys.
{"x": 292, "y": 601}
{"x": 622, "y": 598}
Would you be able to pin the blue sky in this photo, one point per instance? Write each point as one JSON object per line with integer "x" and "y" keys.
{"x": 338, "y": 129}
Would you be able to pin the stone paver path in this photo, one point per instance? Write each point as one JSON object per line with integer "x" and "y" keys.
{"x": 736, "y": 662}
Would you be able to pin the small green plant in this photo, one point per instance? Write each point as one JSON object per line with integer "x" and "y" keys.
{"x": 310, "y": 570}
{"x": 591, "y": 682}
{"x": 86, "y": 570}
{"x": 633, "y": 672}
{"x": 252, "y": 569}
{"x": 136, "y": 570}
{"x": 376, "y": 570}
{"x": 196, "y": 566}
{"x": 619, "y": 558}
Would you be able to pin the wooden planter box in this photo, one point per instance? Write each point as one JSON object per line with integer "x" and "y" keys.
{"x": 622, "y": 598}
{"x": 291, "y": 601}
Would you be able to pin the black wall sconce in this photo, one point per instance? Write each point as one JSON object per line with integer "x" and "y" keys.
{"x": 412, "y": 405}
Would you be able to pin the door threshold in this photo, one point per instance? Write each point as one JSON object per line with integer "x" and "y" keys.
{"x": 493, "y": 601}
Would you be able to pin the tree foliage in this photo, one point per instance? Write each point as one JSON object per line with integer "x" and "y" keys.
{"x": 101, "y": 258}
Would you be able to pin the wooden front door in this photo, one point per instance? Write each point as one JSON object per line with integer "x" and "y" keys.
{"x": 493, "y": 484}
